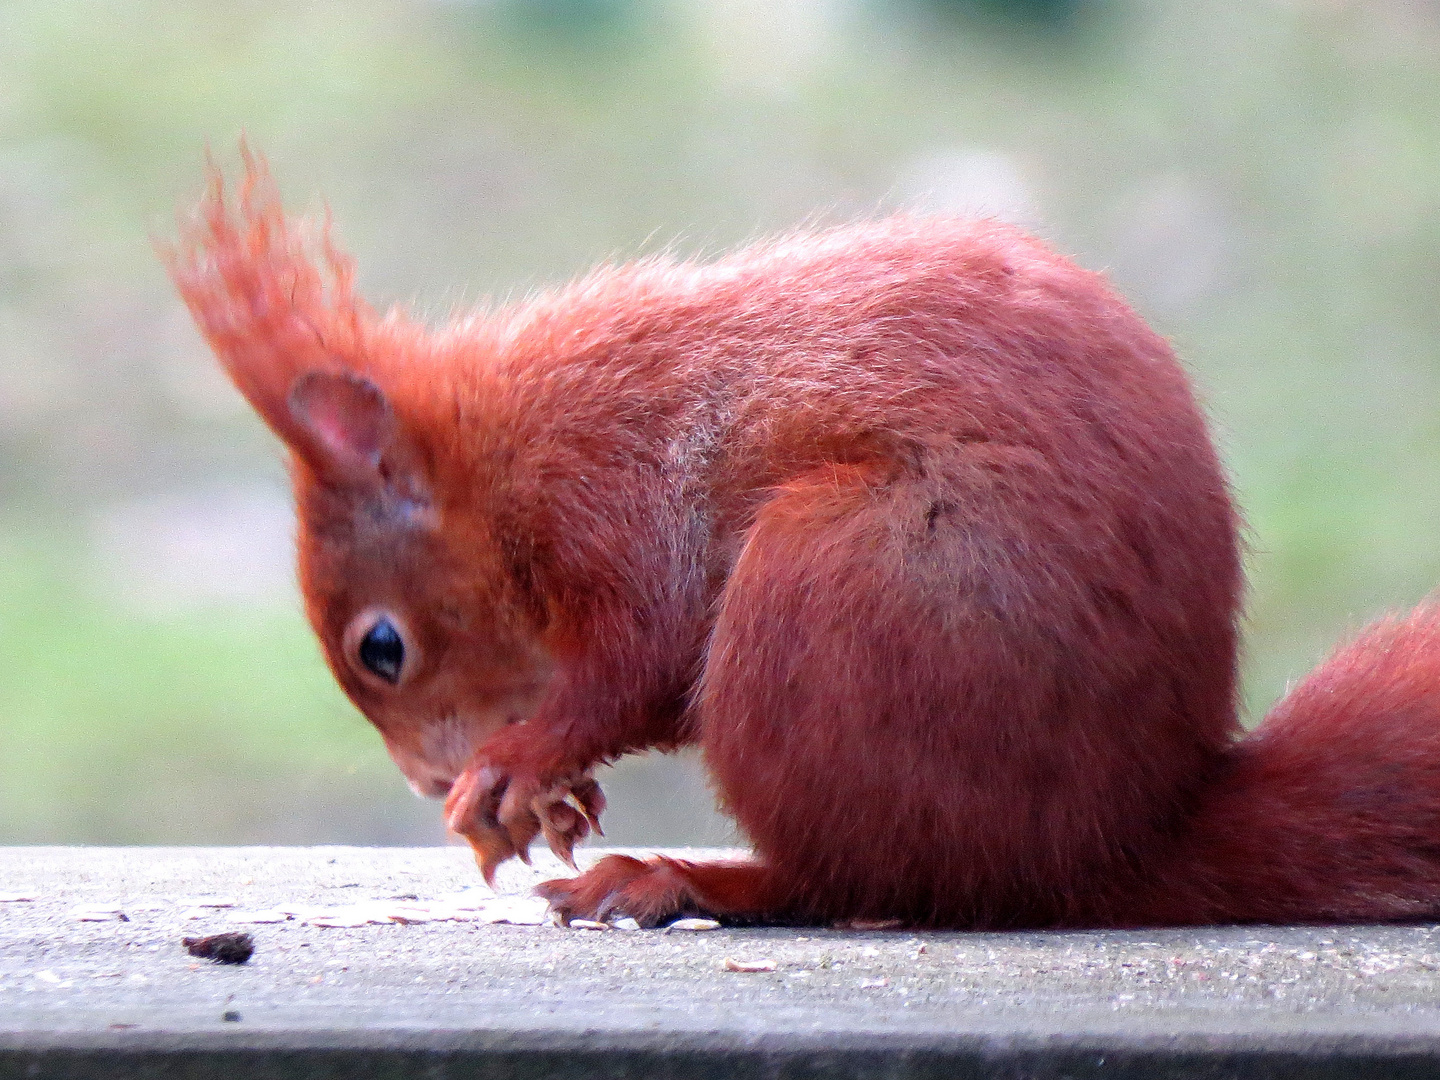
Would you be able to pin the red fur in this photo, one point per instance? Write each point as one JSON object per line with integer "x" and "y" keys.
{"x": 1330, "y": 810}
{"x": 912, "y": 525}
{"x": 654, "y": 890}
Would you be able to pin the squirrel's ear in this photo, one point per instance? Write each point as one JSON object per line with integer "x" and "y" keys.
{"x": 342, "y": 423}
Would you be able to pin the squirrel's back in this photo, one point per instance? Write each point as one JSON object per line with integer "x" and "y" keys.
{"x": 969, "y": 545}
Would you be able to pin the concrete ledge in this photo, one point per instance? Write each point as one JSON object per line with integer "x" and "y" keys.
{"x": 442, "y": 999}
{"x": 955, "y": 1059}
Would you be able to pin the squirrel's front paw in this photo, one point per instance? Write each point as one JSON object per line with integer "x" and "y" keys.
{"x": 500, "y": 812}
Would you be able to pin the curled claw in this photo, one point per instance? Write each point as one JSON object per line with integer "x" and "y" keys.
{"x": 569, "y": 813}
{"x": 564, "y": 817}
{"x": 471, "y": 811}
{"x": 586, "y": 796}
{"x": 517, "y": 818}
{"x": 564, "y": 827}
{"x": 500, "y": 815}
{"x": 491, "y": 849}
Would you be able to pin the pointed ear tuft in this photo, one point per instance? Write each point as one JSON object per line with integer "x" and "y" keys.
{"x": 272, "y": 295}
{"x": 346, "y": 421}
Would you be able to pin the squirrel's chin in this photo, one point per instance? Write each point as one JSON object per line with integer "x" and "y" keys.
{"x": 431, "y": 787}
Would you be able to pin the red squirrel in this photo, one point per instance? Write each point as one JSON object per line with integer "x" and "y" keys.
{"x": 913, "y": 526}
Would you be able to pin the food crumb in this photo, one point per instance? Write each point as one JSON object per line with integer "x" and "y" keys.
{"x": 869, "y": 924}
{"x": 227, "y": 948}
{"x": 694, "y": 924}
{"x": 748, "y": 966}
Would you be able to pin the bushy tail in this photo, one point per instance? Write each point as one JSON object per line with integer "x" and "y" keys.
{"x": 1330, "y": 810}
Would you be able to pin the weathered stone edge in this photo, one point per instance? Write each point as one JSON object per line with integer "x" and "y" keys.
{"x": 443, "y": 1053}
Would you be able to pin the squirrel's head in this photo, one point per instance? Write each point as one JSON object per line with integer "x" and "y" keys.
{"x": 406, "y": 581}
{"x": 422, "y": 622}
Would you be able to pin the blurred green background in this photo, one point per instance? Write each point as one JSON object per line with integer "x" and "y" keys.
{"x": 1262, "y": 178}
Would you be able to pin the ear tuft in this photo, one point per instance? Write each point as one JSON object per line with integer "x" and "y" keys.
{"x": 272, "y": 295}
{"x": 346, "y": 418}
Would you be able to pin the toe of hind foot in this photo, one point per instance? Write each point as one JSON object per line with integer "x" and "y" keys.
{"x": 650, "y": 891}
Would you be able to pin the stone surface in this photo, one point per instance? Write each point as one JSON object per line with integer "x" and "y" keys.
{"x": 84, "y": 992}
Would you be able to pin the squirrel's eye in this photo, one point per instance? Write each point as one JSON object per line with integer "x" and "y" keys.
{"x": 382, "y": 650}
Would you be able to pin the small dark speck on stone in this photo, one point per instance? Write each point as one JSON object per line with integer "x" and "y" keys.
{"x": 230, "y": 1015}
{"x": 229, "y": 948}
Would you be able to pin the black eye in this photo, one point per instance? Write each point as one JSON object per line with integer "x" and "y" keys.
{"x": 383, "y": 651}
